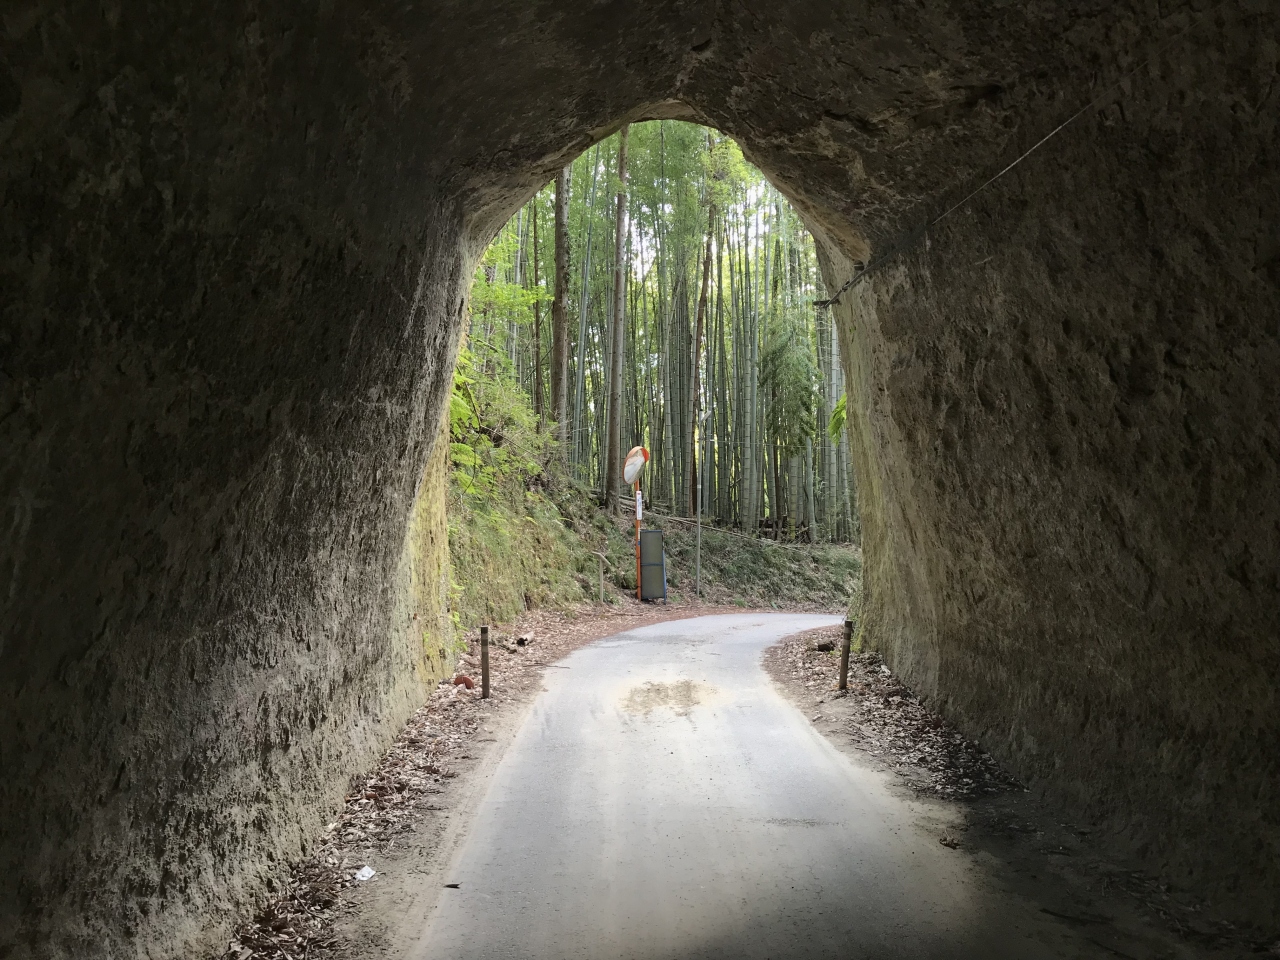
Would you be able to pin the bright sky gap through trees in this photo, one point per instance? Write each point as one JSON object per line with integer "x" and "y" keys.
{"x": 738, "y": 406}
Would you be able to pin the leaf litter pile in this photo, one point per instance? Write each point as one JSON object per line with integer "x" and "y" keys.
{"x": 375, "y": 811}
{"x": 887, "y": 720}
{"x": 380, "y": 808}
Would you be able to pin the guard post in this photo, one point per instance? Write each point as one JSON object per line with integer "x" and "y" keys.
{"x": 484, "y": 663}
{"x": 844, "y": 654}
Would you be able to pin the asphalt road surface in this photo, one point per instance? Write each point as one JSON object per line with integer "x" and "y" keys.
{"x": 663, "y": 800}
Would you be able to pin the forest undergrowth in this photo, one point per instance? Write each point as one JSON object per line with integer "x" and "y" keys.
{"x": 679, "y": 287}
{"x": 524, "y": 535}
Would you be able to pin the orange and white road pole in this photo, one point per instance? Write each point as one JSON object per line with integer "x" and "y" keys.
{"x": 639, "y": 510}
{"x": 637, "y": 457}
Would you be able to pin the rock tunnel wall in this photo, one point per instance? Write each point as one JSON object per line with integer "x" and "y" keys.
{"x": 235, "y": 257}
{"x": 222, "y": 373}
{"x": 1069, "y": 419}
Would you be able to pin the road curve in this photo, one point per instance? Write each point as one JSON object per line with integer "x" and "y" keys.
{"x": 662, "y": 800}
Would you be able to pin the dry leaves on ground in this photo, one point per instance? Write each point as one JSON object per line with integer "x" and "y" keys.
{"x": 388, "y": 803}
{"x": 888, "y": 721}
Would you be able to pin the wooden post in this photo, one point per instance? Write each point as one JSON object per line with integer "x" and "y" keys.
{"x": 484, "y": 663}
{"x": 601, "y": 558}
{"x": 697, "y": 550}
{"x": 844, "y": 655}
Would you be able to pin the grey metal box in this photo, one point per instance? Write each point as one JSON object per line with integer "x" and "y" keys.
{"x": 653, "y": 566}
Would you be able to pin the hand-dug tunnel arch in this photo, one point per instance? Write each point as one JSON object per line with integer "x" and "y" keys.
{"x": 842, "y": 252}
{"x": 234, "y": 276}
{"x": 843, "y": 243}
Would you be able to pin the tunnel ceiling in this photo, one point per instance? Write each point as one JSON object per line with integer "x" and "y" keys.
{"x": 867, "y": 115}
{"x": 864, "y": 113}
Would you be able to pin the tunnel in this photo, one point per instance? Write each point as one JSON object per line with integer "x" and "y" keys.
{"x": 238, "y": 240}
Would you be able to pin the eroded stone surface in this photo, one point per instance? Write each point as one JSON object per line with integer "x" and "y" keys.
{"x": 236, "y": 246}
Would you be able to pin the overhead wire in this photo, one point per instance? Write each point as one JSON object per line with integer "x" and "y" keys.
{"x": 908, "y": 240}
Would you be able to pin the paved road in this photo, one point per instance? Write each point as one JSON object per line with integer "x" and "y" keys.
{"x": 662, "y": 800}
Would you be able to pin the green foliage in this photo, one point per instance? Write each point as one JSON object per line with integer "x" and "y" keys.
{"x": 839, "y": 414}
{"x": 767, "y": 361}
{"x": 506, "y": 559}
{"x": 727, "y": 173}
{"x": 494, "y": 289}
{"x": 494, "y": 446}
{"x": 761, "y": 573}
{"x": 746, "y": 571}
{"x": 522, "y": 517}
{"x": 790, "y": 379}
{"x": 508, "y": 547}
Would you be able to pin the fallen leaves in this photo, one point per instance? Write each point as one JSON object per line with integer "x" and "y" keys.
{"x": 408, "y": 783}
{"x": 887, "y": 722}
{"x": 886, "y": 719}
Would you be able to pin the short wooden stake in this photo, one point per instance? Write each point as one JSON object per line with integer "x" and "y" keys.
{"x": 601, "y": 557}
{"x": 484, "y": 663}
{"x": 844, "y": 654}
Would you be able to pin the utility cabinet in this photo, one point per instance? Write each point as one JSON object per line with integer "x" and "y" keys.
{"x": 653, "y": 566}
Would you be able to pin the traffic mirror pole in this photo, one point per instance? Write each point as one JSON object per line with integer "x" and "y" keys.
{"x": 637, "y": 457}
{"x": 639, "y": 511}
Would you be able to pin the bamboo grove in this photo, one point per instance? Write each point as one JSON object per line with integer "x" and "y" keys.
{"x": 714, "y": 357}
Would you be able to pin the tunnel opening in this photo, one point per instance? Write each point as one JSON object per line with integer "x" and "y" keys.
{"x": 731, "y": 369}
{"x": 239, "y": 255}
{"x": 720, "y": 279}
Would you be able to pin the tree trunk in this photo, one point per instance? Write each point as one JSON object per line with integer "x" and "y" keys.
{"x": 720, "y": 391}
{"x": 810, "y": 498}
{"x": 613, "y": 448}
{"x": 695, "y": 400}
{"x": 560, "y": 316}
{"x": 580, "y": 372}
{"x": 776, "y": 507}
{"x": 751, "y": 455}
{"x": 517, "y": 277}
{"x": 738, "y": 430}
{"x": 539, "y": 408}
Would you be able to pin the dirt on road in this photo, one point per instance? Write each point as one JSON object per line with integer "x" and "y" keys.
{"x": 374, "y": 873}
{"x": 377, "y": 867}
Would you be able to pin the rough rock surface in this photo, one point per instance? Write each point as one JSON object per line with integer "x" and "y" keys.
{"x": 1070, "y": 410}
{"x": 234, "y": 252}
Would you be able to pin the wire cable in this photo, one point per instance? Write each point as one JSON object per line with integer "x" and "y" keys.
{"x": 910, "y": 239}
